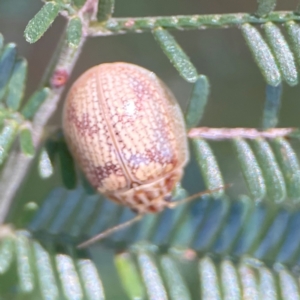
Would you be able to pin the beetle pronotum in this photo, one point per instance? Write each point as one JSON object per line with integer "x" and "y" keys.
{"x": 126, "y": 130}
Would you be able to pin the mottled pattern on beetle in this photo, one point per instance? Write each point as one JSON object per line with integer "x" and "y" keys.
{"x": 126, "y": 131}
{"x": 89, "y": 137}
{"x": 149, "y": 198}
{"x": 144, "y": 123}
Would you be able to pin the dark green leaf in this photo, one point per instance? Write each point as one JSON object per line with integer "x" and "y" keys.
{"x": 41, "y": 22}
{"x": 68, "y": 171}
{"x": 86, "y": 185}
{"x": 175, "y": 54}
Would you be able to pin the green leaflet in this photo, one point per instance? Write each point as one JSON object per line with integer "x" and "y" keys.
{"x": 74, "y": 32}
{"x": 208, "y": 273}
{"x": 251, "y": 170}
{"x": 7, "y": 61}
{"x": 24, "y": 266}
{"x": 45, "y": 272}
{"x": 129, "y": 276}
{"x": 7, "y": 137}
{"x": 289, "y": 164}
{"x": 272, "y": 106}
{"x": 282, "y": 53}
{"x": 230, "y": 280}
{"x": 45, "y": 166}
{"x": 105, "y": 9}
{"x": 7, "y": 253}
{"x": 90, "y": 279}
{"x": 175, "y": 54}
{"x": 208, "y": 165}
{"x": 34, "y": 102}
{"x": 151, "y": 276}
{"x": 175, "y": 282}
{"x": 293, "y": 30}
{"x": 26, "y": 142}
{"x": 16, "y": 86}
{"x": 262, "y": 54}
{"x": 274, "y": 180}
{"x": 197, "y": 102}
{"x": 265, "y": 7}
{"x": 41, "y": 22}
{"x": 42, "y": 272}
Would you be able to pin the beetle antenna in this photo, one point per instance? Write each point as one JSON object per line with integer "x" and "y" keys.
{"x": 197, "y": 195}
{"x": 109, "y": 231}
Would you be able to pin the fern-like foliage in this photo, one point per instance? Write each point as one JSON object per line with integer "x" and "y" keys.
{"x": 221, "y": 246}
{"x": 15, "y": 114}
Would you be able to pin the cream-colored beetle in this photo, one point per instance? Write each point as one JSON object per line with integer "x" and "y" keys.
{"x": 126, "y": 130}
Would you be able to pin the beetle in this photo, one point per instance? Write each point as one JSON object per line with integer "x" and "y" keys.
{"x": 126, "y": 130}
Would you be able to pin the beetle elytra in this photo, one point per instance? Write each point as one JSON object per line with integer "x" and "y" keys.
{"x": 126, "y": 130}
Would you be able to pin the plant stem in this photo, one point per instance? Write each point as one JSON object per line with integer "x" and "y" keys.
{"x": 18, "y": 164}
{"x": 231, "y": 133}
{"x": 122, "y": 25}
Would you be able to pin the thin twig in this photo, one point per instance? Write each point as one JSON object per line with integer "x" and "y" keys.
{"x": 109, "y": 232}
{"x": 231, "y": 133}
{"x": 122, "y": 25}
